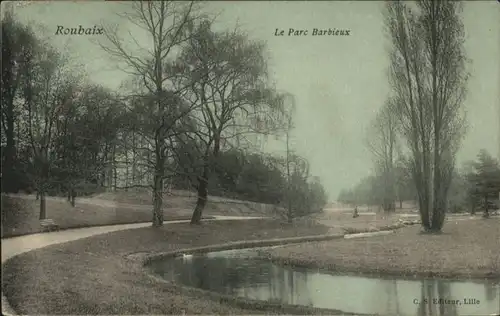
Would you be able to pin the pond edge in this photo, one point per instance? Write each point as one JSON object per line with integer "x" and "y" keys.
{"x": 148, "y": 258}
{"x": 145, "y": 259}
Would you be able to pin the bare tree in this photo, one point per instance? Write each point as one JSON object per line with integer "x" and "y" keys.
{"x": 428, "y": 78}
{"x": 86, "y": 130}
{"x": 382, "y": 142}
{"x": 47, "y": 89}
{"x": 165, "y": 24}
{"x": 232, "y": 94}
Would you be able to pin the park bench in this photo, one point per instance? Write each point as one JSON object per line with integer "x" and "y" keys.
{"x": 48, "y": 225}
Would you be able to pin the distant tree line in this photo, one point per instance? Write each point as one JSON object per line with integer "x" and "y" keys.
{"x": 185, "y": 121}
{"x": 372, "y": 191}
{"x": 476, "y": 186}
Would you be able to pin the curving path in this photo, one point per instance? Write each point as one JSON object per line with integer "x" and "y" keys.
{"x": 17, "y": 245}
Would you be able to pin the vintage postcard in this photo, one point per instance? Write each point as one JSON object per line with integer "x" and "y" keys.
{"x": 250, "y": 157}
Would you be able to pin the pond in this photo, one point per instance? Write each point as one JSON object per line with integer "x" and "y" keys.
{"x": 240, "y": 273}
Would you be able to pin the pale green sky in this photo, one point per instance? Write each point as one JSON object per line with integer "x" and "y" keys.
{"x": 339, "y": 82}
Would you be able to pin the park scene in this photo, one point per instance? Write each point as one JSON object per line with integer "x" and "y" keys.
{"x": 220, "y": 157}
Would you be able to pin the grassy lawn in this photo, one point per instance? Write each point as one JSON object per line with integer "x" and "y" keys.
{"x": 93, "y": 276}
{"x": 20, "y": 213}
{"x": 465, "y": 249}
{"x": 181, "y": 200}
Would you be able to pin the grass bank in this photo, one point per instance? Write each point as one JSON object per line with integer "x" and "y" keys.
{"x": 96, "y": 276}
{"x": 20, "y": 213}
{"x": 465, "y": 249}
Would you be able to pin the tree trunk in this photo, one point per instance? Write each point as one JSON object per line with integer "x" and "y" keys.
{"x": 134, "y": 158}
{"x": 43, "y": 210}
{"x": 148, "y": 157}
{"x": 126, "y": 165}
{"x": 438, "y": 211}
{"x": 423, "y": 208}
{"x": 400, "y": 204}
{"x": 103, "y": 178}
{"x": 109, "y": 172}
{"x": 73, "y": 197}
{"x": 424, "y": 212}
{"x": 158, "y": 192}
{"x": 202, "y": 190}
{"x": 486, "y": 213}
{"x": 288, "y": 179}
{"x": 115, "y": 173}
{"x": 427, "y": 196}
{"x": 202, "y": 197}
{"x": 43, "y": 180}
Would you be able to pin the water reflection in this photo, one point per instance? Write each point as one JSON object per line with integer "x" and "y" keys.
{"x": 239, "y": 273}
{"x": 436, "y": 299}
